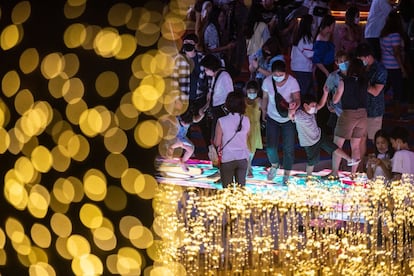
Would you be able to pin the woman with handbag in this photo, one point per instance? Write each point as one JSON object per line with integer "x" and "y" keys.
{"x": 230, "y": 139}
{"x": 280, "y": 90}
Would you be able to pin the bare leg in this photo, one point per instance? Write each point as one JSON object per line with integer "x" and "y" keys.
{"x": 336, "y": 160}
{"x": 309, "y": 170}
{"x": 356, "y": 153}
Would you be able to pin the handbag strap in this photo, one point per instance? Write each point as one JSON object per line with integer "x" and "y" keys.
{"x": 213, "y": 87}
{"x": 239, "y": 127}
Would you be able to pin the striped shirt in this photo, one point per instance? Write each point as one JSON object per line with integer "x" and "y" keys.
{"x": 387, "y": 50}
{"x": 182, "y": 76}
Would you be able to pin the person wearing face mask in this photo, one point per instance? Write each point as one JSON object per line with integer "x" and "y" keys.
{"x": 277, "y": 125}
{"x": 331, "y": 85}
{"x": 260, "y": 64}
{"x": 253, "y": 103}
{"x": 350, "y": 34}
{"x": 190, "y": 78}
{"x": 376, "y": 74}
{"x": 310, "y": 135}
{"x": 352, "y": 123}
{"x": 403, "y": 159}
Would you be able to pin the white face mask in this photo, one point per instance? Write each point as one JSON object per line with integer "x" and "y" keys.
{"x": 252, "y": 96}
{"x": 279, "y": 78}
{"x": 313, "y": 110}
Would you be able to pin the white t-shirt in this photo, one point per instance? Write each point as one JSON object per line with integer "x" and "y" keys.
{"x": 222, "y": 88}
{"x": 308, "y": 131}
{"x": 378, "y": 13}
{"x": 301, "y": 56}
{"x": 403, "y": 162}
{"x": 286, "y": 90}
{"x": 237, "y": 148}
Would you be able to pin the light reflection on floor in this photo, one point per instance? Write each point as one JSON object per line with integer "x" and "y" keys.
{"x": 203, "y": 175}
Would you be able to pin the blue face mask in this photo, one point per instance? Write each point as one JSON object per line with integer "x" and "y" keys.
{"x": 343, "y": 66}
{"x": 365, "y": 62}
{"x": 278, "y": 79}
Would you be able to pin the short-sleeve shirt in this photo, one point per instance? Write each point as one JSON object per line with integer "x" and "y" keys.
{"x": 286, "y": 90}
{"x": 237, "y": 148}
{"x": 308, "y": 131}
{"x": 332, "y": 82}
{"x": 377, "y": 74}
{"x": 222, "y": 87}
{"x": 403, "y": 162}
{"x": 323, "y": 52}
{"x": 387, "y": 50}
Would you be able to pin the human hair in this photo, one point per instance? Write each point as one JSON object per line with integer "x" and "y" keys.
{"x": 211, "y": 62}
{"x": 327, "y": 21}
{"x": 357, "y": 69}
{"x": 363, "y": 50}
{"x": 192, "y": 37}
{"x": 308, "y": 98}
{"x": 252, "y": 84}
{"x": 393, "y": 24}
{"x": 350, "y": 15}
{"x": 341, "y": 53}
{"x": 381, "y": 133}
{"x": 278, "y": 66}
{"x": 187, "y": 116}
{"x": 304, "y": 31}
{"x": 254, "y": 16}
{"x": 272, "y": 45}
{"x": 235, "y": 102}
{"x": 400, "y": 132}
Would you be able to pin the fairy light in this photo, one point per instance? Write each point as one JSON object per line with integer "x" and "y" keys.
{"x": 333, "y": 229}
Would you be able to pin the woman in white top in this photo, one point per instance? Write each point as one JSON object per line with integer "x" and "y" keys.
{"x": 301, "y": 55}
{"x": 231, "y": 137}
{"x": 220, "y": 86}
{"x": 278, "y": 124}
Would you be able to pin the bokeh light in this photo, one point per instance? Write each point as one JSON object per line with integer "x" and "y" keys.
{"x": 85, "y": 87}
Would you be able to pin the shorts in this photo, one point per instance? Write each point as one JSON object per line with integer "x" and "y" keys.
{"x": 373, "y": 125}
{"x": 352, "y": 123}
{"x": 313, "y": 152}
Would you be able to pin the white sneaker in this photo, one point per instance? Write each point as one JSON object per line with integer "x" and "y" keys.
{"x": 271, "y": 173}
{"x": 353, "y": 162}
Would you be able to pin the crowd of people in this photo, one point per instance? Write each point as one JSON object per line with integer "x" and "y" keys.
{"x": 309, "y": 78}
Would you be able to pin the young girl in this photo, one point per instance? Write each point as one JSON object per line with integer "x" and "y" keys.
{"x": 184, "y": 122}
{"x": 253, "y": 103}
{"x": 379, "y": 163}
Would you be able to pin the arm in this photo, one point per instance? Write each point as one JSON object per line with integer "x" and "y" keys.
{"x": 218, "y": 136}
{"x": 322, "y": 68}
{"x": 375, "y": 89}
{"x": 296, "y": 101}
{"x": 265, "y": 102}
{"x": 322, "y": 101}
{"x": 338, "y": 95}
{"x": 399, "y": 58}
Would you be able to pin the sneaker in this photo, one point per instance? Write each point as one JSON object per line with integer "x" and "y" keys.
{"x": 353, "y": 162}
{"x": 271, "y": 173}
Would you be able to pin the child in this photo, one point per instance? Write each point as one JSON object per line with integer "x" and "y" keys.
{"x": 403, "y": 159}
{"x": 184, "y": 122}
{"x": 379, "y": 163}
{"x": 310, "y": 134}
{"x": 253, "y": 103}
